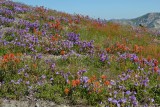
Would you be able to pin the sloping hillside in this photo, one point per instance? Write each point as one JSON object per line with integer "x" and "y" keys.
{"x": 46, "y": 55}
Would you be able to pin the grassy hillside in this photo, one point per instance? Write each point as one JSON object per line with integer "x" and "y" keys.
{"x": 76, "y": 60}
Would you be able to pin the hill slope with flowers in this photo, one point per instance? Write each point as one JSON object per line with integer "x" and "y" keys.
{"x": 76, "y": 60}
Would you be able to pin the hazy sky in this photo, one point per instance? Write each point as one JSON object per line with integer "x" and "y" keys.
{"x": 104, "y": 9}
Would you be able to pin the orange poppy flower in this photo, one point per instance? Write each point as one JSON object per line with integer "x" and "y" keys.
{"x": 75, "y": 82}
{"x": 35, "y": 66}
{"x": 155, "y": 63}
{"x": 156, "y": 68}
{"x": 70, "y": 21}
{"x": 54, "y": 38}
{"x": 99, "y": 91}
{"x": 34, "y": 30}
{"x": 93, "y": 78}
{"x": 149, "y": 58}
{"x": 135, "y": 48}
{"x": 17, "y": 60}
{"x": 89, "y": 92}
{"x": 11, "y": 56}
{"x": 66, "y": 90}
{"x": 5, "y": 60}
{"x": 136, "y": 59}
{"x": 96, "y": 84}
{"x": 140, "y": 48}
{"x": 57, "y": 35}
{"x": 78, "y": 81}
{"x": 5, "y": 56}
{"x": 89, "y": 81}
{"x": 94, "y": 89}
{"x": 107, "y": 83}
{"x": 62, "y": 52}
{"x": 39, "y": 33}
{"x": 103, "y": 77}
{"x": 108, "y": 49}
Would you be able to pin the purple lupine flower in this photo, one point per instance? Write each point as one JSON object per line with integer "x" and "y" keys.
{"x": 136, "y": 84}
{"x": 44, "y": 33}
{"x": 65, "y": 76}
{"x": 18, "y": 43}
{"x": 128, "y": 92}
{"x": 129, "y": 71}
{"x": 39, "y": 56}
{"x": 133, "y": 98}
{"x": 135, "y": 103}
{"x": 51, "y": 79}
{"x": 18, "y": 82}
{"x": 152, "y": 100}
{"x": 19, "y": 71}
{"x": 30, "y": 87}
{"x": 118, "y": 105}
{"x": 84, "y": 44}
{"x": 68, "y": 73}
{"x": 5, "y": 42}
{"x": 12, "y": 81}
{"x": 23, "y": 45}
{"x": 30, "y": 45}
{"x": 57, "y": 73}
{"x": 103, "y": 57}
{"x": 114, "y": 101}
{"x": 158, "y": 71}
{"x": 43, "y": 76}
{"x": 51, "y": 18}
{"x": 36, "y": 40}
{"x": 110, "y": 99}
{"x": 27, "y": 82}
{"x": 53, "y": 66}
{"x": 62, "y": 73}
{"x": 112, "y": 82}
{"x": 115, "y": 92}
{"x": 81, "y": 72}
{"x": 67, "y": 81}
{"x": 84, "y": 79}
{"x": 123, "y": 100}
{"x": 39, "y": 83}
{"x": 66, "y": 44}
{"x": 90, "y": 44}
{"x": 73, "y": 37}
{"x": 47, "y": 61}
{"x": 145, "y": 82}
{"x": 47, "y": 49}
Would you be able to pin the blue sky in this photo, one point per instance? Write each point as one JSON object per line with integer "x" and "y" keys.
{"x": 104, "y": 9}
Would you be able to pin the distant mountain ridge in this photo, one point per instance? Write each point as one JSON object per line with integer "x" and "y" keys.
{"x": 149, "y": 20}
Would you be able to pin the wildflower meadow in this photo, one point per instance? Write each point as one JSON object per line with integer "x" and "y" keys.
{"x": 75, "y": 59}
